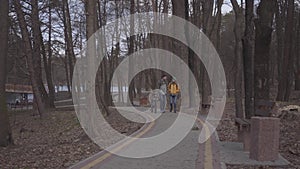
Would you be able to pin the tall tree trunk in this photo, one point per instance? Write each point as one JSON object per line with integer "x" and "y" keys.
{"x": 289, "y": 48}
{"x": 248, "y": 51}
{"x": 36, "y": 52}
{"x": 5, "y": 131}
{"x": 238, "y": 32}
{"x": 263, "y": 34}
{"x": 91, "y": 28}
{"x": 48, "y": 62}
{"x": 180, "y": 9}
{"x": 68, "y": 38}
{"x": 285, "y": 43}
{"x": 297, "y": 71}
{"x": 219, "y": 24}
{"x": 196, "y": 63}
{"x": 105, "y": 73}
{"x": 191, "y": 59}
{"x": 29, "y": 57}
{"x": 207, "y": 7}
{"x": 131, "y": 87}
{"x": 279, "y": 18}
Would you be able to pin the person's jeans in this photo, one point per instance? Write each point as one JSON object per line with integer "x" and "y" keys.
{"x": 162, "y": 102}
{"x": 173, "y": 100}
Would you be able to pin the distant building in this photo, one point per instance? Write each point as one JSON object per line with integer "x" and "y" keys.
{"x": 19, "y": 95}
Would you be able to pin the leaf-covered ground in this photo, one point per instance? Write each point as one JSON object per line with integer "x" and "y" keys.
{"x": 58, "y": 141}
{"x": 289, "y": 136}
{"x": 55, "y": 141}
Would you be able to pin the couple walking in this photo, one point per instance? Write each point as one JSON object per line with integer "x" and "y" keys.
{"x": 172, "y": 89}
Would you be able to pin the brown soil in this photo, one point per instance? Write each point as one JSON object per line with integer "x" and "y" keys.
{"x": 56, "y": 141}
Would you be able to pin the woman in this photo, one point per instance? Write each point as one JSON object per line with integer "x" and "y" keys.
{"x": 174, "y": 90}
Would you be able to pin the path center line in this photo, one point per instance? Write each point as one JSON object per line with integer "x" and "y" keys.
{"x": 208, "y": 162}
{"x": 131, "y": 140}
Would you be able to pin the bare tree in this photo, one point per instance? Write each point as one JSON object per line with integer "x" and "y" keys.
{"x": 131, "y": 89}
{"x": 48, "y": 61}
{"x": 297, "y": 71}
{"x": 5, "y": 131}
{"x": 248, "y": 52}
{"x": 92, "y": 25}
{"x": 238, "y": 31}
{"x": 207, "y": 7}
{"x": 30, "y": 57}
{"x": 289, "y": 51}
{"x": 280, "y": 14}
{"x": 263, "y": 37}
{"x": 286, "y": 59}
{"x": 68, "y": 38}
{"x": 37, "y": 45}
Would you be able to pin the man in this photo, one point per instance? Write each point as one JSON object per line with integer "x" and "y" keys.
{"x": 174, "y": 90}
{"x": 163, "y": 89}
